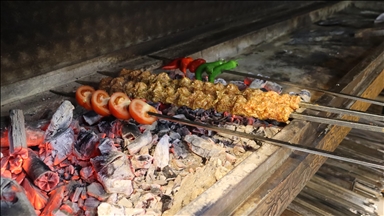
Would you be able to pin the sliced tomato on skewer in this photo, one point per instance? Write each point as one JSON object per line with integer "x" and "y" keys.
{"x": 118, "y": 105}
{"x": 99, "y": 101}
{"x": 84, "y": 95}
{"x": 139, "y": 111}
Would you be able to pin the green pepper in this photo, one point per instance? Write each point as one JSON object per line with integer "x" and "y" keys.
{"x": 205, "y": 67}
{"x": 219, "y": 69}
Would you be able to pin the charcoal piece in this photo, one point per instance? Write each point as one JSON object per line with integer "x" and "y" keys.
{"x": 39, "y": 172}
{"x": 174, "y": 135}
{"x": 97, "y": 191}
{"x": 75, "y": 193}
{"x": 161, "y": 155}
{"x": 107, "y": 145}
{"x": 91, "y": 117}
{"x": 13, "y": 199}
{"x": 60, "y": 121}
{"x": 162, "y": 128}
{"x": 168, "y": 172}
{"x": 166, "y": 203}
{"x": 240, "y": 84}
{"x": 91, "y": 204}
{"x": 17, "y": 134}
{"x": 204, "y": 148}
{"x": 272, "y": 86}
{"x": 55, "y": 200}
{"x": 141, "y": 141}
{"x": 86, "y": 143}
{"x": 179, "y": 149}
{"x": 62, "y": 145}
{"x": 111, "y": 128}
{"x": 114, "y": 172}
{"x": 130, "y": 129}
{"x": 183, "y": 131}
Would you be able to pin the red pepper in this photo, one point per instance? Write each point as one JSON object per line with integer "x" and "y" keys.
{"x": 173, "y": 64}
{"x": 184, "y": 64}
{"x": 195, "y": 64}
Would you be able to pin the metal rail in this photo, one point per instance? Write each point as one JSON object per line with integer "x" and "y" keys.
{"x": 368, "y": 116}
{"x": 380, "y": 103}
{"x": 297, "y": 147}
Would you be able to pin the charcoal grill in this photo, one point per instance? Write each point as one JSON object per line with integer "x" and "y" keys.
{"x": 326, "y": 45}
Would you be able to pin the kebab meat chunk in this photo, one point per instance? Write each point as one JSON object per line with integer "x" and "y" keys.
{"x": 205, "y": 95}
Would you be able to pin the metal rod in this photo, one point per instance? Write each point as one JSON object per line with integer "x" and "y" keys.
{"x": 368, "y": 116}
{"x": 297, "y": 147}
{"x": 380, "y": 103}
{"x": 296, "y": 115}
{"x": 338, "y": 122}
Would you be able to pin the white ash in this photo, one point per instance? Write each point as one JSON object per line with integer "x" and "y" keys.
{"x": 161, "y": 154}
{"x": 138, "y": 143}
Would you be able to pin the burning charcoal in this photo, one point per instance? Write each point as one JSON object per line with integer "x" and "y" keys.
{"x": 114, "y": 172}
{"x": 75, "y": 194}
{"x": 111, "y": 128}
{"x": 55, "y": 200}
{"x": 180, "y": 116}
{"x": 86, "y": 172}
{"x": 141, "y": 161}
{"x": 106, "y": 145}
{"x": 167, "y": 203}
{"x": 130, "y": 129}
{"x": 62, "y": 145}
{"x": 96, "y": 190}
{"x": 90, "y": 204}
{"x": 14, "y": 200}
{"x": 141, "y": 141}
{"x": 74, "y": 206}
{"x": 91, "y": 117}
{"x": 179, "y": 149}
{"x": 204, "y": 148}
{"x": 85, "y": 144}
{"x": 35, "y": 195}
{"x": 60, "y": 120}
{"x": 39, "y": 172}
{"x": 168, "y": 172}
{"x": 161, "y": 154}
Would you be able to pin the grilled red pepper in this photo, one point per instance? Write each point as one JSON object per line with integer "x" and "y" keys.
{"x": 173, "y": 64}
{"x": 184, "y": 64}
{"x": 195, "y": 64}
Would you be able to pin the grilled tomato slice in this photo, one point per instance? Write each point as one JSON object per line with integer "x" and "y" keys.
{"x": 138, "y": 110}
{"x": 118, "y": 105}
{"x": 84, "y": 95}
{"x": 99, "y": 101}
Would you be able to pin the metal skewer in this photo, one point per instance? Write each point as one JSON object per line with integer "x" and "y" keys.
{"x": 309, "y": 88}
{"x": 368, "y": 116}
{"x": 317, "y": 119}
{"x": 301, "y": 148}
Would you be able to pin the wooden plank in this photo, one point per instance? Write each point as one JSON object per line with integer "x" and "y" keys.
{"x": 17, "y": 135}
{"x": 275, "y": 181}
{"x": 278, "y": 191}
